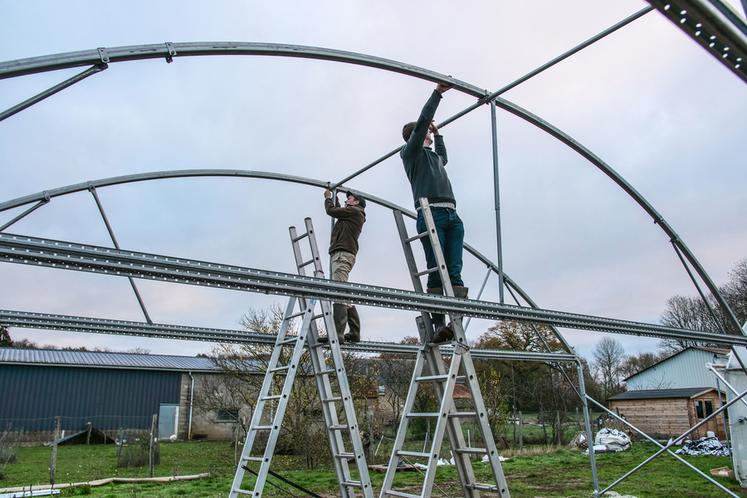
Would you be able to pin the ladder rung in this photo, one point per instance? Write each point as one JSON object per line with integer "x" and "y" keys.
{"x": 418, "y": 454}
{"x": 352, "y": 484}
{"x": 485, "y": 487}
{"x": 425, "y": 272}
{"x": 295, "y": 315}
{"x": 253, "y": 459}
{"x": 306, "y": 263}
{"x": 339, "y": 427}
{"x": 326, "y": 372}
{"x": 472, "y": 451}
{"x": 332, "y": 400}
{"x": 317, "y": 317}
{"x": 412, "y": 239}
{"x": 243, "y": 492}
{"x": 268, "y": 398}
{"x": 423, "y": 414}
{"x": 345, "y": 456}
{"x": 280, "y": 368}
{"x": 300, "y": 237}
{"x": 290, "y": 340}
{"x": 402, "y": 494}
{"x": 432, "y": 378}
{"x": 261, "y": 428}
{"x": 463, "y": 414}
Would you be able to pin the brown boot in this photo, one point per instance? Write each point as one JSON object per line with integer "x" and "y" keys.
{"x": 354, "y": 323}
{"x": 445, "y": 333}
{"x": 340, "y": 315}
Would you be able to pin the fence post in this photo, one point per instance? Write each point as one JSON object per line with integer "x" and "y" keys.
{"x": 53, "y": 461}
{"x": 521, "y": 431}
{"x": 151, "y": 460}
{"x": 559, "y": 428}
{"x": 88, "y": 435}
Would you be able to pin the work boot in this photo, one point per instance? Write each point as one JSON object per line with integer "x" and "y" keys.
{"x": 445, "y": 333}
{"x": 354, "y": 324}
{"x": 340, "y": 315}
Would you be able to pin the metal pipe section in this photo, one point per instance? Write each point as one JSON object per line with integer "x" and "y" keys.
{"x": 657, "y": 443}
{"x": 710, "y": 367}
{"x": 169, "y": 51}
{"x": 116, "y": 245}
{"x": 78, "y": 257}
{"x": 479, "y": 295}
{"x": 51, "y": 91}
{"x": 24, "y": 319}
{"x": 24, "y": 214}
{"x": 497, "y": 201}
{"x": 695, "y": 282}
{"x": 587, "y": 426}
{"x": 513, "y": 84}
{"x": 671, "y": 443}
{"x": 620, "y": 181}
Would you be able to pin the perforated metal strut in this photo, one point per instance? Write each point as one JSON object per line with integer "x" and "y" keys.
{"x": 79, "y": 257}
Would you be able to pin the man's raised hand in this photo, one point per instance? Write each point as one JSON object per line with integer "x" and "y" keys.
{"x": 442, "y": 87}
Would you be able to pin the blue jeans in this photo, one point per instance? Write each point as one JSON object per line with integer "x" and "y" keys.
{"x": 450, "y": 232}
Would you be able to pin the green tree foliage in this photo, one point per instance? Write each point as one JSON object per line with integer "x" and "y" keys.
{"x": 5, "y": 340}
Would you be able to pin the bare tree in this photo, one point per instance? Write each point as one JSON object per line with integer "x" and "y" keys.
{"x": 5, "y": 340}
{"x": 634, "y": 364}
{"x": 608, "y": 360}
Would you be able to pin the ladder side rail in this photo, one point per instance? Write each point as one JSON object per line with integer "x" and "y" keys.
{"x": 324, "y": 386}
{"x": 351, "y": 418}
{"x": 484, "y": 425}
{"x": 399, "y": 439}
{"x": 435, "y": 365}
{"x": 260, "y": 405}
{"x": 438, "y": 435}
{"x": 290, "y": 377}
{"x": 462, "y": 343}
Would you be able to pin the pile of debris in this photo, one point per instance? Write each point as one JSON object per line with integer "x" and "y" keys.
{"x": 705, "y": 446}
{"x": 607, "y": 440}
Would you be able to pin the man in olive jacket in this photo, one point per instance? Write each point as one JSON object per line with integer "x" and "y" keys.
{"x": 425, "y": 168}
{"x": 343, "y": 248}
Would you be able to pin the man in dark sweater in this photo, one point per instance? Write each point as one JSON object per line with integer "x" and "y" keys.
{"x": 427, "y": 174}
{"x": 343, "y": 247}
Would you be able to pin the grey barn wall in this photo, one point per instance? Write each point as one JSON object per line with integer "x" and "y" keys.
{"x": 30, "y": 397}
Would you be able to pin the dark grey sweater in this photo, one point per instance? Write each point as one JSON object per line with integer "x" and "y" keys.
{"x": 425, "y": 168}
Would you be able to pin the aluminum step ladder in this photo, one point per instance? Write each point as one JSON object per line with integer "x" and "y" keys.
{"x": 431, "y": 369}
{"x": 278, "y": 384}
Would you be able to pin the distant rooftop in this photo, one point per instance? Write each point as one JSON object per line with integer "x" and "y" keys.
{"x": 96, "y": 359}
{"x": 684, "y": 392}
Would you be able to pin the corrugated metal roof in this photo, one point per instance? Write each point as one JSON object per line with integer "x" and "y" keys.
{"x": 97, "y": 359}
{"x": 685, "y": 392}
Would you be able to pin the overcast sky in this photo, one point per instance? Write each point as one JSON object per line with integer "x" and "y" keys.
{"x": 647, "y": 100}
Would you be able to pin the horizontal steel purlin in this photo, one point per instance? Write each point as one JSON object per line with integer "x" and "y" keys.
{"x": 71, "y": 256}
{"x": 25, "y": 319}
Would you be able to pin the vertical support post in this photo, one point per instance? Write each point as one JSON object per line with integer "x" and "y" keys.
{"x": 151, "y": 445}
{"x": 497, "y": 196}
{"x": 723, "y": 419}
{"x": 88, "y": 434}
{"x": 53, "y": 460}
{"x": 587, "y": 424}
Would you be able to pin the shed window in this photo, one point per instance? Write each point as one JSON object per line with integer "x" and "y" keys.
{"x": 227, "y": 415}
{"x": 703, "y": 408}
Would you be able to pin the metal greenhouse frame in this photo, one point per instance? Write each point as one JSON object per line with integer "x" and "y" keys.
{"x": 709, "y": 22}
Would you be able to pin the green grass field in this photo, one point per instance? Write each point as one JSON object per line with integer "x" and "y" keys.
{"x": 547, "y": 473}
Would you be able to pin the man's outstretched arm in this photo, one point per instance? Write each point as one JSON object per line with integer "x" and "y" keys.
{"x": 415, "y": 142}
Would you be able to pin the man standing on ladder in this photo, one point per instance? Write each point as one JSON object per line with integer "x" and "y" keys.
{"x": 427, "y": 174}
{"x": 343, "y": 247}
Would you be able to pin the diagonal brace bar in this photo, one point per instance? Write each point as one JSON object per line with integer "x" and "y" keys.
{"x": 657, "y": 443}
{"x": 26, "y": 213}
{"x": 139, "y": 298}
{"x": 671, "y": 443}
{"x": 51, "y": 91}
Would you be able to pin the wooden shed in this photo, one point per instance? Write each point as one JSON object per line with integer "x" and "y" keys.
{"x": 665, "y": 413}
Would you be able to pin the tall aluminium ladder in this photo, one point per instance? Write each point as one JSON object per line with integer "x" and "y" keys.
{"x": 430, "y": 368}
{"x": 265, "y": 422}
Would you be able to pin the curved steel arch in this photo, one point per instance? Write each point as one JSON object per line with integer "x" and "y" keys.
{"x": 628, "y": 189}
{"x": 265, "y": 175}
{"x": 32, "y": 65}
